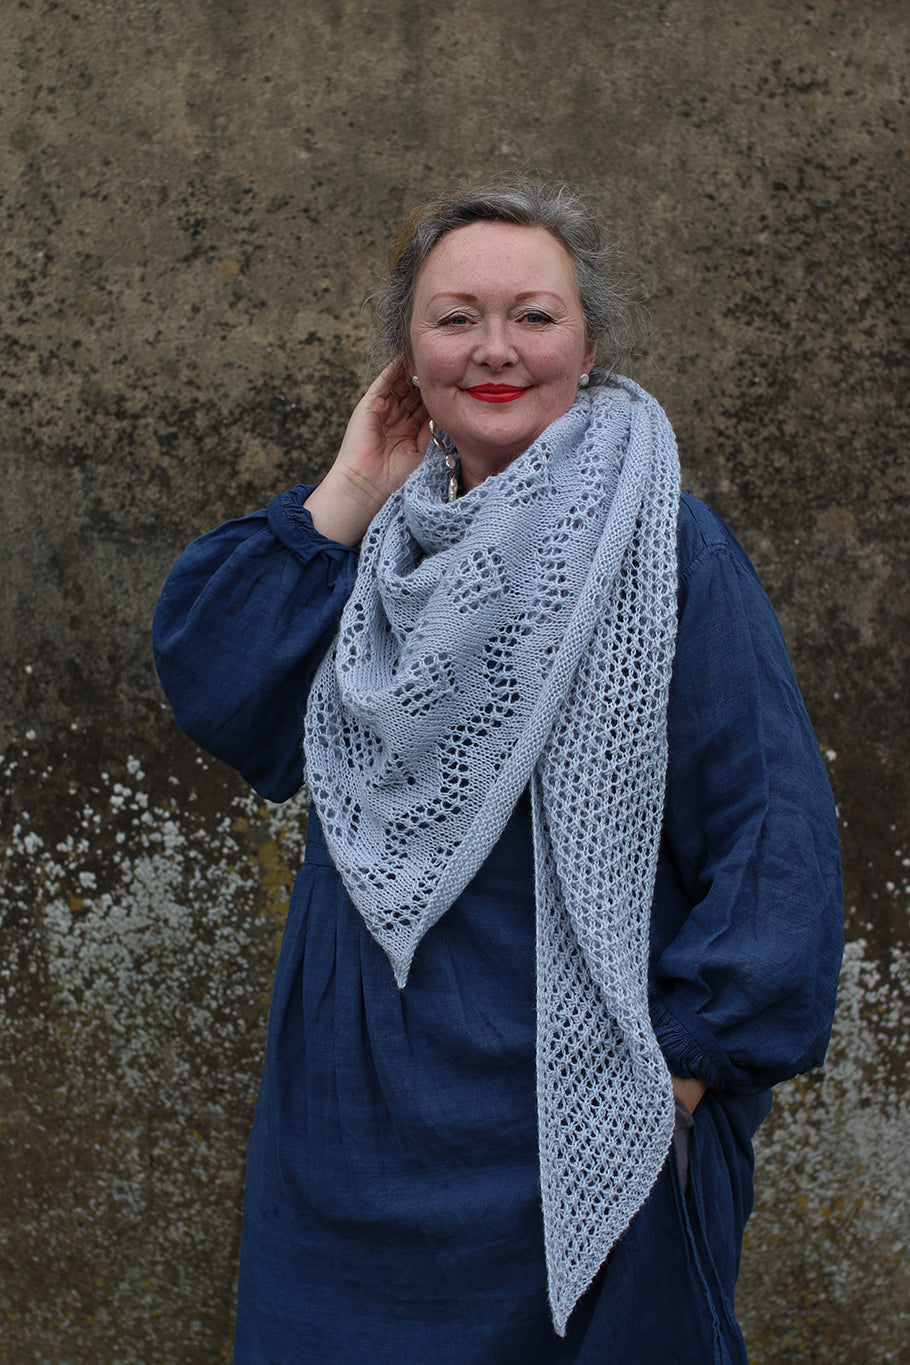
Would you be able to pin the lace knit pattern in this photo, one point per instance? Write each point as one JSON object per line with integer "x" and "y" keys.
{"x": 522, "y": 634}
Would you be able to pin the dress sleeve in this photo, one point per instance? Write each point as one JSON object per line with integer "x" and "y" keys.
{"x": 744, "y": 971}
{"x": 244, "y": 620}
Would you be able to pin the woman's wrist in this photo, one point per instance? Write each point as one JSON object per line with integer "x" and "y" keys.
{"x": 340, "y": 510}
{"x": 689, "y": 1090}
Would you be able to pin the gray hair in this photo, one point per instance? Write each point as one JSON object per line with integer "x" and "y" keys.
{"x": 609, "y": 300}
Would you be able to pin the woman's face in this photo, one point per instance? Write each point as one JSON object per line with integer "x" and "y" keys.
{"x": 497, "y": 340}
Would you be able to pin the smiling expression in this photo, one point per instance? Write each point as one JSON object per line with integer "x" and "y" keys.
{"x": 497, "y": 340}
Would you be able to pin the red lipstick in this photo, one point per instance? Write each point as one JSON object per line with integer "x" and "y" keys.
{"x": 496, "y": 393}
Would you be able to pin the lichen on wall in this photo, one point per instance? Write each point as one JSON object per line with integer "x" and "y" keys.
{"x": 142, "y": 916}
{"x": 829, "y": 1236}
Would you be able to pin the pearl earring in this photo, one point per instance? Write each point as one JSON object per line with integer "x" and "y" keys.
{"x": 583, "y": 381}
{"x": 415, "y": 381}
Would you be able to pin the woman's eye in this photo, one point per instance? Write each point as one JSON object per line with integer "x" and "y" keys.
{"x": 455, "y": 319}
{"x": 536, "y": 317}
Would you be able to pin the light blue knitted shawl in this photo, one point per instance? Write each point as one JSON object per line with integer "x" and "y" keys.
{"x": 521, "y": 635}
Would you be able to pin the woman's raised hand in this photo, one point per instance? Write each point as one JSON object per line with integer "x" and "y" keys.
{"x": 384, "y": 442}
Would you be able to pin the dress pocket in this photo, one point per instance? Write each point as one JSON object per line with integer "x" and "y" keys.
{"x": 693, "y": 1140}
{"x": 682, "y": 1141}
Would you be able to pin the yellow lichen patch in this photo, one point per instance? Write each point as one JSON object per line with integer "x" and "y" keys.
{"x": 277, "y": 880}
{"x": 276, "y": 874}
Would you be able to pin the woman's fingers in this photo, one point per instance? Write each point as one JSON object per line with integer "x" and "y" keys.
{"x": 384, "y": 442}
{"x": 399, "y": 399}
{"x": 386, "y": 426}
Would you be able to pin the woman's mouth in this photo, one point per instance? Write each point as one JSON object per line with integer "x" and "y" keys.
{"x": 496, "y": 393}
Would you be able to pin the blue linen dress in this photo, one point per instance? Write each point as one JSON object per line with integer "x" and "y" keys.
{"x": 392, "y": 1209}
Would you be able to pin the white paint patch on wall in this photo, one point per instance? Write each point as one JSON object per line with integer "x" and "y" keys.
{"x": 136, "y": 954}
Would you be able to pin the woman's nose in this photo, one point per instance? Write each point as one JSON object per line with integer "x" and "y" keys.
{"x": 495, "y": 345}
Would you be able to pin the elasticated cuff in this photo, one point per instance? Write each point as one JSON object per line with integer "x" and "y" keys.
{"x": 689, "y": 1048}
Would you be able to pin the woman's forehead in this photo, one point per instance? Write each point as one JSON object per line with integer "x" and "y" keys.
{"x": 516, "y": 257}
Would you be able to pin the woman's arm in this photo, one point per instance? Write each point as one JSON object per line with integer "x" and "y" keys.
{"x": 748, "y": 915}
{"x": 250, "y": 609}
{"x": 243, "y": 622}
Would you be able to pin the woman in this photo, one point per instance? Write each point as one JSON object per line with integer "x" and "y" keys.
{"x": 571, "y": 898}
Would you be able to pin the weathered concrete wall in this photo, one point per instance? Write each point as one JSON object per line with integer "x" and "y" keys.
{"x": 196, "y": 199}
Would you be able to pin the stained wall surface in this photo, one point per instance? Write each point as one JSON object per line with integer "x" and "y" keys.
{"x": 196, "y": 199}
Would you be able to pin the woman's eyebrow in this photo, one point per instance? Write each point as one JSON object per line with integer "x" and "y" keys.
{"x": 467, "y": 297}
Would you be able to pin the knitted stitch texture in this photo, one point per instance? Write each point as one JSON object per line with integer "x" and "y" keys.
{"x": 525, "y": 634}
